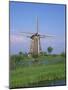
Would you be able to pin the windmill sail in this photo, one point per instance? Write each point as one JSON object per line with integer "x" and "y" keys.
{"x": 37, "y": 24}
{"x": 35, "y": 47}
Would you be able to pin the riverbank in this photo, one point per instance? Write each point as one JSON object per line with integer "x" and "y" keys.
{"x": 36, "y": 74}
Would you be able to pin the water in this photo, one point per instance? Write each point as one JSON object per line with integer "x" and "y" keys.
{"x": 43, "y": 83}
{"x": 48, "y": 83}
{"x": 51, "y": 83}
{"x": 31, "y": 62}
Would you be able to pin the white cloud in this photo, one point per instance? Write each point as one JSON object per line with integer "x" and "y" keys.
{"x": 18, "y": 39}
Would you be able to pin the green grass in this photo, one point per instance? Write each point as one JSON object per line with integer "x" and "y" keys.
{"x": 24, "y": 76}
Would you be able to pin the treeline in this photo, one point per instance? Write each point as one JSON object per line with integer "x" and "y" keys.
{"x": 20, "y": 58}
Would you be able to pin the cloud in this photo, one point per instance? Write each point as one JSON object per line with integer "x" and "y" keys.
{"x": 19, "y": 43}
{"x": 17, "y": 39}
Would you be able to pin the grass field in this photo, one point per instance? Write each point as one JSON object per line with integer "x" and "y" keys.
{"x": 46, "y": 68}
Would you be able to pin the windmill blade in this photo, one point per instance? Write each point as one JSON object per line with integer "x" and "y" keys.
{"x": 46, "y": 36}
{"x": 26, "y": 36}
{"x": 26, "y": 33}
{"x": 37, "y": 23}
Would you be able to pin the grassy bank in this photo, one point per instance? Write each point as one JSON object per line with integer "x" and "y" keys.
{"x": 23, "y": 76}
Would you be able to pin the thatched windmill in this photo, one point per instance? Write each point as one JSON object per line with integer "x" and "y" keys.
{"x": 35, "y": 47}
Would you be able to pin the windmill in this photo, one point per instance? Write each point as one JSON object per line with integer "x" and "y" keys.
{"x": 35, "y": 46}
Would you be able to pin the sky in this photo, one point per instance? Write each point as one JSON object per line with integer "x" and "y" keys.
{"x": 51, "y": 21}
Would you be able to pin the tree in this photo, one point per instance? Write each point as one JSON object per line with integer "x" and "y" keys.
{"x": 20, "y": 53}
{"x": 49, "y": 49}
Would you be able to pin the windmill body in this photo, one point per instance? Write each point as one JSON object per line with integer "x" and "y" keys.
{"x": 35, "y": 45}
{"x": 35, "y": 48}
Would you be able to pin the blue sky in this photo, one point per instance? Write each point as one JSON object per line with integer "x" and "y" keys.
{"x": 51, "y": 19}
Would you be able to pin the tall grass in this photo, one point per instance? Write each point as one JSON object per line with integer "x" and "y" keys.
{"x": 24, "y": 76}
